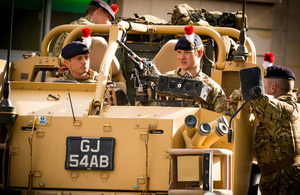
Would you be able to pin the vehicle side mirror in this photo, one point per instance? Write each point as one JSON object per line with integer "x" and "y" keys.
{"x": 252, "y": 88}
{"x": 252, "y": 83}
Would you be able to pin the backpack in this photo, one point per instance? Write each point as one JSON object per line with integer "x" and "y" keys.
{"x": 147, "y": 19}
{"x": 183, "y": 14}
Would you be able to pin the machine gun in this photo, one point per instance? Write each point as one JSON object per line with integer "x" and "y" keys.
{"x": 145, "y": 74}
{"x": 144, "y": 66}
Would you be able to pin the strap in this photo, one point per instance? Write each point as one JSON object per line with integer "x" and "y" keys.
{"x": 43, "y": 76}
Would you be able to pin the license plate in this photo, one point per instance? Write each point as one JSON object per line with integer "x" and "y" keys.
{"x": 90, "y": 153}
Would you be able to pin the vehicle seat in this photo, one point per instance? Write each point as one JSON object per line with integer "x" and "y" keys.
{"x": 44, "y": 76}
{"x": 166, "y": 59}
{"x": 97, "y": 51}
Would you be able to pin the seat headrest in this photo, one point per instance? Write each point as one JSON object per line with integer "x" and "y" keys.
{"x": 97, "y": 51}
{"x": 166, "y": 59}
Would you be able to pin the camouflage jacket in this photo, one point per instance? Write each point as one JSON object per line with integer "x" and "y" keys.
{"x": 277, "y": 143}
{"x": 86, "y": 20}
{"x": 236, "y": 96}
{"x": 92, "y": 79}
{"x": 216, "y": 100}
{"x": 278, "y": 134}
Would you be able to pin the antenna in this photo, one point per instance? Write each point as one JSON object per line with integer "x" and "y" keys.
{"x": 71, "y": 107}
{"x": 244, "y": 9}
{"x": 7, "y": 110}
{"x": 242, "y": 53}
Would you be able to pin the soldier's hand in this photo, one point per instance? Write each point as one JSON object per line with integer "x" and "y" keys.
{"x": 229, "y": 100}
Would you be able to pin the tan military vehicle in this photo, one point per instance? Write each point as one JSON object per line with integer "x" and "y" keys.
{"x": 72, "y": 138}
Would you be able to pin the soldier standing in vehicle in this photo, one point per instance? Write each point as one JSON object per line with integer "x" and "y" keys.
{"x": 97, "y": 12}
{"x": 277, "y": 139}
{"x": 189, "y": 50}
{"x": 76, "y": 58}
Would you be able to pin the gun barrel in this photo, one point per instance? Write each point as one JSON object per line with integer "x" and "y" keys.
{"x": 132, "y": 54}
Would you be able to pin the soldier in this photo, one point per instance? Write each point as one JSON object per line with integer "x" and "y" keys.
{"x": 277, "y": 139}
{"x": 97, "y": 12}
{"x": 189, "y": 52}
{"x": 76, "y": 58}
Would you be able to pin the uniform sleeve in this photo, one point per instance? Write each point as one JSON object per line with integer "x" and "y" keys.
{"x": 58, "y": 45}
{"x": 269, "y": 109}
{"x": 236, "y": 96}
{"x": 262, "y": 108}
{"x": 93, "y": 75}
{"x": 171, "y": 73}
{"x": 219, "y": 103}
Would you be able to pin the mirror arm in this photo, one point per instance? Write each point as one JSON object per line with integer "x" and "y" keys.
{"x": 249, "y": 98}
{"x": 230, "y": 131}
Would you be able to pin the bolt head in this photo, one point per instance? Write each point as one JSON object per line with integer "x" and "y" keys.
{"x": 136, "y": 186}
{"x": 41, "y": 184}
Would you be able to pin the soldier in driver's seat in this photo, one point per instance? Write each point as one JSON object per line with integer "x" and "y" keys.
{"x": 76, "y": 58}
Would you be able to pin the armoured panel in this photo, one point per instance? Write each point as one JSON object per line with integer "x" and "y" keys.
{"x": 131, "y": 164}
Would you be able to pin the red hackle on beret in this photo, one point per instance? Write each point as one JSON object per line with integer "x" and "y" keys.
{"x": 189, "y": 30}
{"x": 269, "y": 57}
{"x": 86, "y": 32}
{"x": 114, "y": 7}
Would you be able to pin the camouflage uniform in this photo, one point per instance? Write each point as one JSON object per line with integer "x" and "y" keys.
{"x": 236, "y": 96}
{"x": 217, "y": 99}
{"x": 92, "y": 79}
{"x": 277, "y": 144}
{"x": 86, "y": 20}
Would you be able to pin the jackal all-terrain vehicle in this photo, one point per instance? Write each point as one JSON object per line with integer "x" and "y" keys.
{"x": 72, "y": 138}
